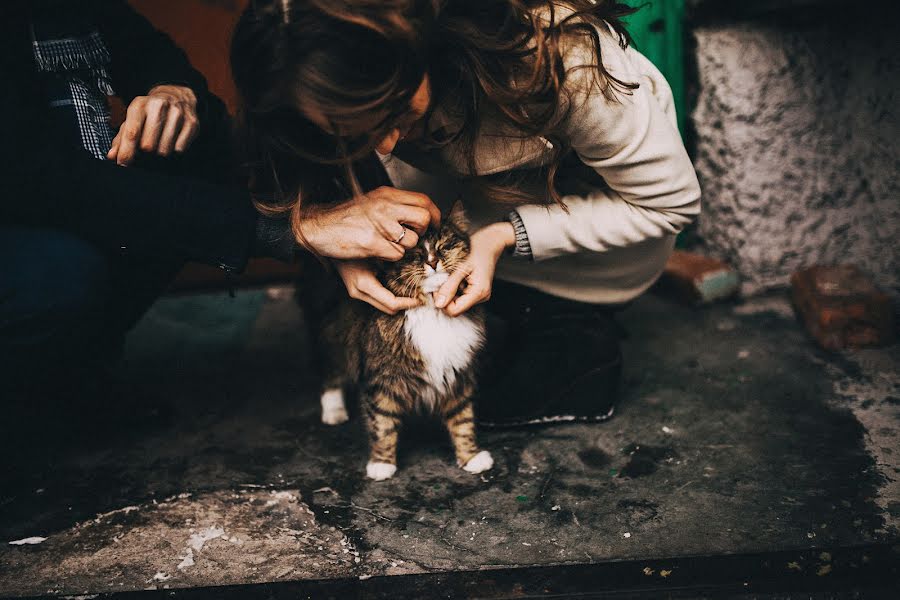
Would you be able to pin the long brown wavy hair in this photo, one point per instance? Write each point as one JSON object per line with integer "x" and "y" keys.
{"x": 357, "y": 63}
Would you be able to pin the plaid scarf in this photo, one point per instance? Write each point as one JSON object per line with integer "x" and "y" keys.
{"x": 73, "y": 58}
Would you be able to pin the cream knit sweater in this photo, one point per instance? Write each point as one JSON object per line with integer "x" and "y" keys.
{"x": 614, "y": 240}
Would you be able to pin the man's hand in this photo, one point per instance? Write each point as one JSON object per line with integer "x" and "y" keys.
{"x": 361, "y": 283}
{"x": 487, "y": 245}
{"x": 381, "y": 224}
{"x": 162, "y": 122}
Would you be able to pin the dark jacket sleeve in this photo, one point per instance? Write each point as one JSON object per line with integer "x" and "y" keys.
{"x": 142, "y": 56}
{"x": 51, "y": 186}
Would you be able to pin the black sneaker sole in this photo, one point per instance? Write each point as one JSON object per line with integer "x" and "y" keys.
{"x": 547, "y": 420}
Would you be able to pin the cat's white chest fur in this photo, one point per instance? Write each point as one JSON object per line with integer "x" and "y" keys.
{"x": 445, "y": 343}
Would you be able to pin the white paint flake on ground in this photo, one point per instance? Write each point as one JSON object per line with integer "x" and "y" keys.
{"x": 187, "y": 560}
{"x": 197, "y": 540}
{"x": 119, "y": 511}
{"x": 28, "y": 541}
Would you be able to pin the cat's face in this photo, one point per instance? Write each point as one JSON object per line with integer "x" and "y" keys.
{"x": 423, "y": 269}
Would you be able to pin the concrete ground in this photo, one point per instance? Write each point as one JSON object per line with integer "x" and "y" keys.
{"x": 735, "y": 435}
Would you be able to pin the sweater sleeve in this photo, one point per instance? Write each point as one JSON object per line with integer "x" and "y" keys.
{"x": 523, "y": 245}
{"x": 634, "y": 144}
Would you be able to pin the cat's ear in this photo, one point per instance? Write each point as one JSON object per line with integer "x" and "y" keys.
{"x": 457, "y": 216}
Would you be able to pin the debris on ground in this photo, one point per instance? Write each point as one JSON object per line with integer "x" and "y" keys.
{"x": 842, "y": 308}
{"x": 695, "y": 279}
{"x": 29, "y": 541}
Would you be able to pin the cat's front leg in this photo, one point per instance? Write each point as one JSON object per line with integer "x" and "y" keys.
{"x": 383, "y": 423}
{"x": 460, "y": 422}
{"x": 334, "y": 409}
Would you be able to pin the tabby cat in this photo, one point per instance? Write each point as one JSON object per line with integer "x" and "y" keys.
{"x": 417, "y": 361}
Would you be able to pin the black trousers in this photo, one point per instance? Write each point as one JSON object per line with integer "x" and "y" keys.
{"x": 546, "y": 355}
{"x": 66, "y": 304}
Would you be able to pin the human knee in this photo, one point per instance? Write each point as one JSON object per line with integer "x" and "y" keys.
{"x": 54, "y": 276}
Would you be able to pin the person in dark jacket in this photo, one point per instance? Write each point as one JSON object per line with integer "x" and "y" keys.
{"x": 94, "y": 223}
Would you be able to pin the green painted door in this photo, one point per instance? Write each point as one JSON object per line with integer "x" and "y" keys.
{"x": 658, "y": 32}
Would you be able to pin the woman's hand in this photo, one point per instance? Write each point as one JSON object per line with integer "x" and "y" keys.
{"x": 162, "y": 122}
{"x": 381, "y": 224}
{"x": 487, "y": 245}
{"x": 361, "y": 283}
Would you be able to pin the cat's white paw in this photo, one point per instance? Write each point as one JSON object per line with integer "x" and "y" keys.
{"x": 480, "y": 462}
{"x": 334, "y": 411}
{"x": 380, "y": 471}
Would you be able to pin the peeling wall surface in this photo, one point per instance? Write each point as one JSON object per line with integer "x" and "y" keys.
{"x": 797, "y": 147}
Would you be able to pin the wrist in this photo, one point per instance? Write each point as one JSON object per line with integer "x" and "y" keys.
{"x": 499, "y": 236}
{"x": 506, "y": 234}
{"x": 306, "y": 228}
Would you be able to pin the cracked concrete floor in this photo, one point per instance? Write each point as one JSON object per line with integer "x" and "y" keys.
{"x": 735, "y": 434}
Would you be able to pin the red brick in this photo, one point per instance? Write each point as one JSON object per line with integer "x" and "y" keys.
{"x": 696, "y": 279}
{"x": 842, "y": 308}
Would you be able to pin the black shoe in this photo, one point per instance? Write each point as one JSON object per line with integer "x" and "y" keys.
{"x": 591, "y": 398}
{"x": 568, "y": 372}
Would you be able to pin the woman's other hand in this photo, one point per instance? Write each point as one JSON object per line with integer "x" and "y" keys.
{"x": 383, "y": 224}
{"x": 162, "y": 122}
{"x": 487, "y": 245}
{"x": 359, "y": 279}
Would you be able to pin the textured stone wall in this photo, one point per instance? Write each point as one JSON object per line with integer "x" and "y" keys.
{"x": 797, "y": 147}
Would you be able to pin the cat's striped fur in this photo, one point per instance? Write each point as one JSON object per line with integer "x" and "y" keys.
{"x": 413, "y": 362}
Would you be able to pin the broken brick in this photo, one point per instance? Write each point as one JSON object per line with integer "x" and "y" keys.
{"x": 842, "y": 308}
{"x": 696, "y": 279}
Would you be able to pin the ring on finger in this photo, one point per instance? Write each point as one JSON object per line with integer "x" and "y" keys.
{"x": 402, "y": 235}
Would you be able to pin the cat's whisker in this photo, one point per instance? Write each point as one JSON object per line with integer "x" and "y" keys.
{"x": 417, "y": 360}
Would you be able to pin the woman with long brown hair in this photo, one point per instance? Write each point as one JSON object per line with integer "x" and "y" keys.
{"x": 559, "y": 138}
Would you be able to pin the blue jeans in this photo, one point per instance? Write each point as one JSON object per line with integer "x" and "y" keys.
{"x": 66, "y": 305}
